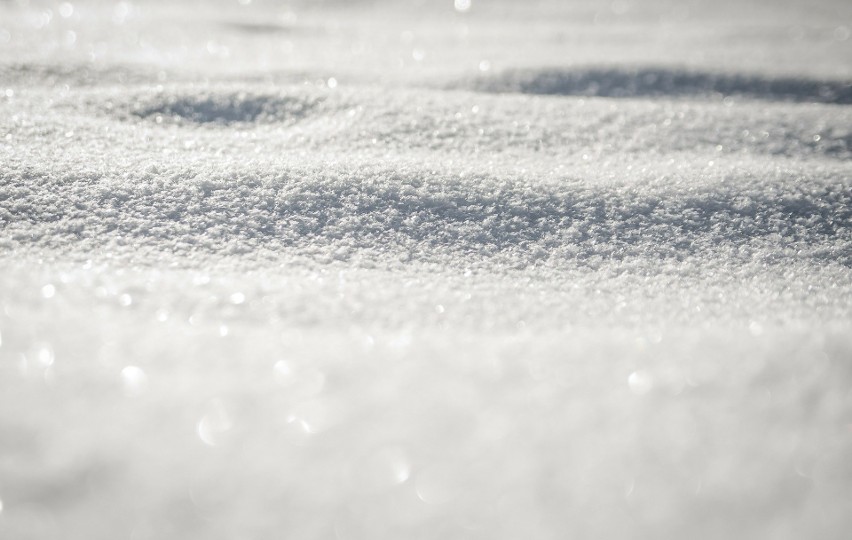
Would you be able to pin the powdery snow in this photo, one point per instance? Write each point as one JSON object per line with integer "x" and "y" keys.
{"x": 425, "y": 269}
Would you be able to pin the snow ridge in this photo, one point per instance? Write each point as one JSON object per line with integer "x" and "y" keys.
{"x": 561, "y": 220}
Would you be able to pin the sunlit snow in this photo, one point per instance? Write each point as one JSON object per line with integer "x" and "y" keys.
{"x": 425, "y": 269}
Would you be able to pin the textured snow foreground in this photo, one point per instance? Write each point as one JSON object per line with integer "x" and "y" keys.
{"x": 425, "y": 270}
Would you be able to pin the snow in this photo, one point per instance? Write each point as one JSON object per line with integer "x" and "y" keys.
{"x": 425, "y": 269}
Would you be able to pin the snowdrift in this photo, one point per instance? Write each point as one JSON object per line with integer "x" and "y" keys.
{"x": 425, "y": 270}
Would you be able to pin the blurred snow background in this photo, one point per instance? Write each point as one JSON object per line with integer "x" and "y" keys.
{"x": 425, "y": 269}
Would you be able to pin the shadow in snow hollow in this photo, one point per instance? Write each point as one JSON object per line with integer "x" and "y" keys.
{"x": 663, "y": 82}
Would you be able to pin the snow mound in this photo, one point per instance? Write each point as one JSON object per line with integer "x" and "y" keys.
{"x": 661, "y": 82}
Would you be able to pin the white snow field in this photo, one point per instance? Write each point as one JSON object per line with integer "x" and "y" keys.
{"x": 425, "y": 269}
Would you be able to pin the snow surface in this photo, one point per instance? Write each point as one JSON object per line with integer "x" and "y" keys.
{"x": 425, "y": 269}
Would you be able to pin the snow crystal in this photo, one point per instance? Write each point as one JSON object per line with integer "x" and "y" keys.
{"x": 134, "y": 380}
{"x": 640, "y": 382}
{"x": 462, "y": 5}
{"x": 48, "y": 291}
